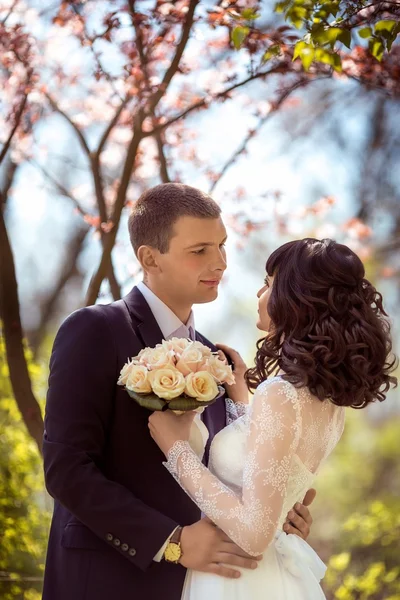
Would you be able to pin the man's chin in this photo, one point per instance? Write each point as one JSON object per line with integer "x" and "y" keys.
{"x": 209, "y": 297}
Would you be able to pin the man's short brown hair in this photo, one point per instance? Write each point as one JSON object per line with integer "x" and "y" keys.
{"x": 153, "y": 217}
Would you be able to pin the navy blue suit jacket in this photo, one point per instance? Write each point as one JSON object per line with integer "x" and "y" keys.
{"x": 115, "y": 503}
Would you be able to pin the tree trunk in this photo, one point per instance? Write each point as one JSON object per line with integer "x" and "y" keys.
{"x": 13, "y": 336}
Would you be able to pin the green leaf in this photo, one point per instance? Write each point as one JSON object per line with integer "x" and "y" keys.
{"x": 390, "y": 42}
{"x": 184, "y": 403}
{"x": 365, "y": 32}
{"x": 376, "y": 48}
{"x": 296, "y": 15}
{"x": 272, "y": 52}
{"x": 324, "y": 56}
{"x": 280, "y": 7}
{"x": 388, "y": 26}
{"x": 238, "y": 36}
{"x": 298, "y": 48}
{"x": 149, "y": 401}
{"x": 345, "y": 37}
{"x": 328, "y": 8}
{"x": 250, "y": 14}
{"x": 337, "y": 63}
{"x": 326, "y": 35}
{"x": 307, "y": 57}
{"x": 334, "y": 8}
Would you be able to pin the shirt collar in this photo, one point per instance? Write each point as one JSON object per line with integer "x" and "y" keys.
{"x": 166, "y": 319}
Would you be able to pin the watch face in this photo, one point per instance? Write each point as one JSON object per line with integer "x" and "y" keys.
{"x": 173, "y": 552}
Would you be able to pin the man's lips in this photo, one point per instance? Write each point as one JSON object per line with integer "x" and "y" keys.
{"x": 211, "y": 282}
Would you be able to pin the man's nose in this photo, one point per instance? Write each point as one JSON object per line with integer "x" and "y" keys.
{"x": 220, "y": 262}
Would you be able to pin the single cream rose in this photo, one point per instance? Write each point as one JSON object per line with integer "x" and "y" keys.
{"x": 221, "y": 371}
{"x": 176, "y": 345}
{"x": 125, "y": 373}
{"x": 205, "y": 350}
{"x": 202, "y": 386}
{"x": 167, "y": 383}
{"x": 138, "y": 380}
{"x": 190, "y": 361}
{"x": 156, "y": 358}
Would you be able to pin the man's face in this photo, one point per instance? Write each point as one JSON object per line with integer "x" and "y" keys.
{"x": 191, "y": 270}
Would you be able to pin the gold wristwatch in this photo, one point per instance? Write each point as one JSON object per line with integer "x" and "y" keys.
{"x": 173, "y": 551}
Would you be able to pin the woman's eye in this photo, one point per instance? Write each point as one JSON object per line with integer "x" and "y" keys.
{"x": 266, "y": 281}
{"x": 201, "y": 251}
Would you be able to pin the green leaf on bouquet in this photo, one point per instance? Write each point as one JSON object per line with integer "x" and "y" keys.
{"x": 183, "y": 403}
{"x": 149, "y": 401}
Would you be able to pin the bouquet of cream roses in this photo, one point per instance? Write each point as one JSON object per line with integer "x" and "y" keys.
{"x": 178, "y": 374}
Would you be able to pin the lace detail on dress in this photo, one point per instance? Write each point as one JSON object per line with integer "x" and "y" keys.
{"x": 175, "y": 452}
{"x": 234, "y": 410}
{"x": 271, "y": 439}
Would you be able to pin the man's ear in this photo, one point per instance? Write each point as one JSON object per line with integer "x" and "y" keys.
{"x": 147, "y": 256}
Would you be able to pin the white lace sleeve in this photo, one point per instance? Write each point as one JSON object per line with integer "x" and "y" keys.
{"x": 273, "y": 435}
{"x": 234, "y": 410}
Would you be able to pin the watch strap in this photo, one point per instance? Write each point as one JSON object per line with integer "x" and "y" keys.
{"x": 176, "y": 536}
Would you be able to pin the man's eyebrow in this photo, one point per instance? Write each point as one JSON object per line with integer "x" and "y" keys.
{"x": 205, "y": 244}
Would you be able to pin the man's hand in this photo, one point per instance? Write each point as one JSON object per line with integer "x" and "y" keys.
{"x": 299, "y": 519}
{"x": 206, "y": 548}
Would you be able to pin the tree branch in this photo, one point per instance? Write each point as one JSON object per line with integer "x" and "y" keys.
{"x": 94, "y": 160}
{"x": 281, "y": 68}
{"x": 10, "y": 12}
{"x": 64, "y": 274}
{"x": 18, "y": 117}
{"x": 275, "y": 107}
{"x": 162, "y": 158}
{"x": 78, "y": 132}
{"x": 143, "y": 62}
{"x": 8, "y": 178}
{"x": 111, "y": 125}
{"x": 13, "y": 336}
{"x": 61, "y": 189}
{"x": 178, "y": 55}
{"x": 110, "y": 237}
{"x": 114, "y": 285}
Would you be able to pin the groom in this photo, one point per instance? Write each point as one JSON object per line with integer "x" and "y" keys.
{"x": 116, "y": 506}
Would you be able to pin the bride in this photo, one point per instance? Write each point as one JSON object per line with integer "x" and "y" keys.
{"x": 328, "y": 347}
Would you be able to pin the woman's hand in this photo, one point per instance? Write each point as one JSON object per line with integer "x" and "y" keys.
{"x": 238, "y": 392}
{"x": 166, "y": 428}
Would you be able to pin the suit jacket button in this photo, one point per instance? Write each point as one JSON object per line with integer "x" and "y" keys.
{"x": 109, "y": 537}
{"x": 124, "y": 547}
{"x": 117, "y": 542}
{"x": 132, "y": 552}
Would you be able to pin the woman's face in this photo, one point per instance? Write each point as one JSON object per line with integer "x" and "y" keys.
{"x": 264, "y": 320}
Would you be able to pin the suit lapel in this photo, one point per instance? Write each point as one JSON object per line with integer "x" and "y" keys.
{"x": 146, "y": 325}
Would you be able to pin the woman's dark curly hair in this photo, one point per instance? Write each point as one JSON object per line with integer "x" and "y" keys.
{"x": 329, "y": 330}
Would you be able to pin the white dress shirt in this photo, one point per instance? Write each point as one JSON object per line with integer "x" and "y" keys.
{"x": 171, "y": 326}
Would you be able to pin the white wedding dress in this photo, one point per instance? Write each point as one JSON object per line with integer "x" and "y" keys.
{"x": 261, "y": 464}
